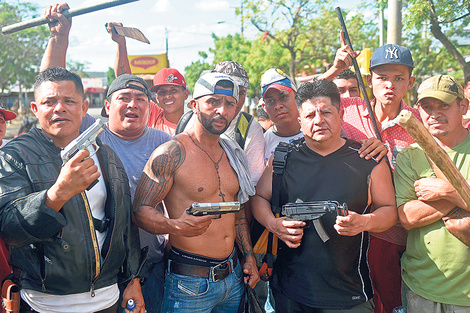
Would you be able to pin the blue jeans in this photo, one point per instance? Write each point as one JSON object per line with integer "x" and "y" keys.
{"x": 202, "y": 295}
{"x": 153, "y": 288}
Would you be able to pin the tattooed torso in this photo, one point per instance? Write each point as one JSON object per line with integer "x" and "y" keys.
{"x": 179, "y": 173}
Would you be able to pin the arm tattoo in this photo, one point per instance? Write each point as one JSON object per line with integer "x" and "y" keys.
{"x": 122, "y": 70}
{"x": 242, "y": 230}
{"x": 154, "y": 186}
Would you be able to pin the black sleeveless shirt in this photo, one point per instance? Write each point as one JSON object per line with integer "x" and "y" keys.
{"x": 332, "y": 274}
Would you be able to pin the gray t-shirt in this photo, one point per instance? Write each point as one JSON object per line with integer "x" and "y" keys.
{"x": 134, "y": 154}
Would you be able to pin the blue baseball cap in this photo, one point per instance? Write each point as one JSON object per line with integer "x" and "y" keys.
{"x": 391, "y": 54}
{"x": 277, "y": 79}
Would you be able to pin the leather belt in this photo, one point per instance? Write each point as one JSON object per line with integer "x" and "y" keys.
{"x": 216, "y": 273}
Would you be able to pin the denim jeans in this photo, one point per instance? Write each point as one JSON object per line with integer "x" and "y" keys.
{"x": 202, "y": 295}
{"x": 153, "y": 288}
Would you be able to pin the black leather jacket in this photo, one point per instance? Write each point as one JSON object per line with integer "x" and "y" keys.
{"x": 57, "y": 251}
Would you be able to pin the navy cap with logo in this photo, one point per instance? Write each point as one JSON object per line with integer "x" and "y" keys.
{"x": 125, "y": 81}
{"x": 391, "y": 54}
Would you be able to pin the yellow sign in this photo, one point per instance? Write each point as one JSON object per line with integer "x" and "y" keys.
{"x": 147, "y": 64}
{"x": 363, "y": 60}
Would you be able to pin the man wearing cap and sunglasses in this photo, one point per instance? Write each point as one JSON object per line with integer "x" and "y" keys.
{"x": 5, "y": 116}
{"x": 435, "y": 270}
{"x": 204, "y": 273}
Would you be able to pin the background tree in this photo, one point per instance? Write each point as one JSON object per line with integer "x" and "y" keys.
{"x": 21, "y": 52}
{"x": 308, "y": 30}
{"x": 314, "y": 48}
{"x": 194, "y": 70}
{"x": 447, "y": 21}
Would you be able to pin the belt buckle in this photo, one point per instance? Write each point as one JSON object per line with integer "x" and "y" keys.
{"x": 214, "y": 268}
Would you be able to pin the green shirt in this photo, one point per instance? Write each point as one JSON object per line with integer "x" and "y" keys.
{"x": 435, "y": 265}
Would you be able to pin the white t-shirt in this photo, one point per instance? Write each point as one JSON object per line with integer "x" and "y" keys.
{"x": 272, "y": 139}
{"x": 81, "y": 302}
{"x": 4, "y": 142}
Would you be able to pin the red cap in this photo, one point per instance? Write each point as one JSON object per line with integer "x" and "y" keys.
{"x": 168, "y": 76}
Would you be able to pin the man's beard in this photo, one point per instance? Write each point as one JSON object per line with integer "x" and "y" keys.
{"x": 206, "y": 121}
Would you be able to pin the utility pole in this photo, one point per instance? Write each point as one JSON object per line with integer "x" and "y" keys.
{"x": 394, "y": 22}
{"x": 166, "y": 47}
{"x": 241, "y": 14}
{"x": 381, "y": 27}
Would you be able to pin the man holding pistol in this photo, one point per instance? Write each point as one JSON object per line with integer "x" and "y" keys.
{"x": 199, "y": 165}
{"x": 324, "y": 269}
{"x": 70, "y": 243}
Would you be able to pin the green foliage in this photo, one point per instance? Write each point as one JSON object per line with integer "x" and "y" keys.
{"x": 432, "y": 31}
{"x": 77, "y": 67}
{"x": 110, "y": 75}
{"x": 193, "y": 71}
{"x": 295, "y": 36}
{"x": 21, "y": 52}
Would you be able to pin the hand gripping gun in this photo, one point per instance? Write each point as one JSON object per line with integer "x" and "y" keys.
{"x": 312, "y": 211}
{"x": 82, "y": 142}
{"x": 218, "y": 208}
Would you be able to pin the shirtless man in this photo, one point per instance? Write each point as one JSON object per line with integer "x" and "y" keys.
{"x": 200, "y": 166}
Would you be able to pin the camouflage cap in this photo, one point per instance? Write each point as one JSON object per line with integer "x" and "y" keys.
{"x": 235, "y": 70}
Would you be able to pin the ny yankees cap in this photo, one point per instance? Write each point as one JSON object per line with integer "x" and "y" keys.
{"x": 207, "y": 85}
{"x": 126, "y": 81}
{"x": 442, "y": 87}
{"x": 168, "y": 76}
{"x": 234, "y": 70}
{"x": 277, "y": 79}
{"x": 391, "y": 54}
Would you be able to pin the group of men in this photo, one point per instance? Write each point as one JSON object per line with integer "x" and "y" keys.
{"x": 88, "y": 234}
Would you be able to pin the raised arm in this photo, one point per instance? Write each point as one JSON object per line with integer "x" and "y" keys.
{"x": 56, "y": 50}
{"x": 155, "y": 183}
{"x": 121, "y": 62}
{"x": 343, "y": 60}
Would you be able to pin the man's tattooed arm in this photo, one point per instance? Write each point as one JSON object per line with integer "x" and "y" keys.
{"x": 243, "y": 241}
{"x": 155, "y": 182}
{"x": 242, "y": 231}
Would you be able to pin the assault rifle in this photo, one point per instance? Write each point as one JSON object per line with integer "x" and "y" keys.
{"x": 312, "y": 211}
{"x": 218, "y": 208}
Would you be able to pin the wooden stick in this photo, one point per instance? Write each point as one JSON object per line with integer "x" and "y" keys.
{"x": 68, "y": 13}
{"x": 435, "y": 153}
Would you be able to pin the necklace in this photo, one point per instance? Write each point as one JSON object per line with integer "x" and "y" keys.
{"x": 216, "y": 164}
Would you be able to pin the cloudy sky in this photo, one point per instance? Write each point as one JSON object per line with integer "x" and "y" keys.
{"x": 189, "y": 24}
